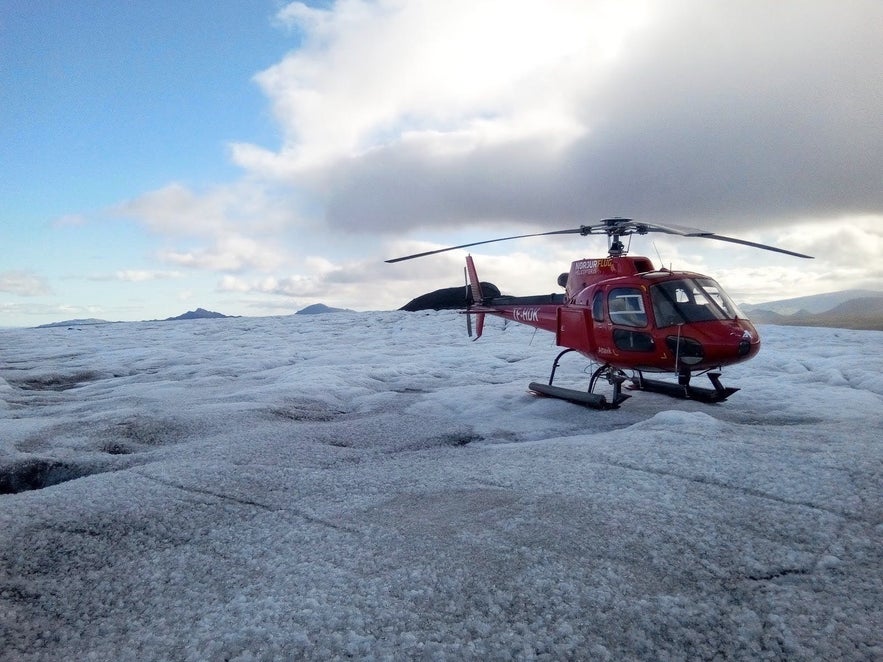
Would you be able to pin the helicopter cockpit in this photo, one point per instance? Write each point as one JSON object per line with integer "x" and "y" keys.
{"x": 698, "y": 299}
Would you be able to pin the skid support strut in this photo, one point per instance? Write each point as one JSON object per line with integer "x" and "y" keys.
{"x": 684, "y": 390}
{"x": 612, "y": 375}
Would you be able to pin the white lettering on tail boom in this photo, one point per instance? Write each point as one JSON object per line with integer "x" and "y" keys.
{"x": 526, "y": 314}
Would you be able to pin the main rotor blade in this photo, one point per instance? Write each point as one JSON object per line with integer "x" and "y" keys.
{"x": 693, "y": 232}
{"x": 487, "y": 241}
{"x": 621, "y": 227}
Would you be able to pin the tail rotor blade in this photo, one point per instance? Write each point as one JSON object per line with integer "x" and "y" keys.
{"x": 468, "y": 292}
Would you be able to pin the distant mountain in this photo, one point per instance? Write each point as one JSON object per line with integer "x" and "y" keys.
{"x": 198, "y": 314}
{"x": 318, "y": 308}
{"x": 762, "y": 316}
{"x": 849, "y": 309}
{"x": 77, "y": 322}
{"x": 812, "y": 304}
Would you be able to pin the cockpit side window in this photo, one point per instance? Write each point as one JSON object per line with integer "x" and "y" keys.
{"x": 598, "y": 307}
{"x": 625, "y": 305}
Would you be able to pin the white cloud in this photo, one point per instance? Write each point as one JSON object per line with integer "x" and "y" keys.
{"x": 233, "y": 227}
{"x": 852, "y": 239}
{"x": 138, "y": 275}
{"x": 413, "y": 120}
{"x": 295, "y": 286}
{"x": 229, "y": 252}
{"x": 246, "y": 205}
{"x": 410, "y": 114}
{"x": 50, "y": 311}
{"x": 23, "y": 283}
{"x": 176, "y": 210}
{"x": 141, "y": 275}
{"x": 472, "y": 71}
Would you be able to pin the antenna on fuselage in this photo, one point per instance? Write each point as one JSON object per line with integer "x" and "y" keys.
{"x": 661, "y": 261}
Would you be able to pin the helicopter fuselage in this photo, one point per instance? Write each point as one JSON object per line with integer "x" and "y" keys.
{"x": 623, "y": 312}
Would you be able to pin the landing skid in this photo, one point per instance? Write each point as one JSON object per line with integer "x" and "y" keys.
{"x": 609, "y": 374}
{"x": 685, "y": 391}
{"x": 594, "y": 400}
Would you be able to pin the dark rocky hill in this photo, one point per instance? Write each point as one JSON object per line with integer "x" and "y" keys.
{"x": 77, "y": 322}
{"x": 861, "y": 313}
{"x": 198, "y": 314}
{"x": 811, "y": 304}
{"x": 447, "y": 298}
{"x": 318, "y": 308}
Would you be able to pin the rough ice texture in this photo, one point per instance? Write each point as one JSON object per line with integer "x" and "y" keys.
{"x": 375, "y": 485}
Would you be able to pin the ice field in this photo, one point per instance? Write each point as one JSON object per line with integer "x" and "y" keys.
{"x": 375, "y": 485}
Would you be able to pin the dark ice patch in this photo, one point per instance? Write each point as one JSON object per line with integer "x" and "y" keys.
{"x": 306, "y": 410}
{"x": 55, "y": 382}
{"x": 454, "y": 437}
{"x": 775, "y": 419}
{"x": 458, "y": 439}
{"x": 129, "y": 435}
{"x": 117, "y": 448}
{"x": 37, "y": 473}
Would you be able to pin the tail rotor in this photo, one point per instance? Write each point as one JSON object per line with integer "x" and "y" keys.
{"x": 473, "y": 287}
{"x": 468, "y": 303}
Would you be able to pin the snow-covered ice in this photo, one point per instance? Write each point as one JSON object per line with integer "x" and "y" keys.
{"x": 375, "y": 485}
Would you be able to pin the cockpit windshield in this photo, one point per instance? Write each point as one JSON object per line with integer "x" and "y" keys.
{"x": 691, "y": 300}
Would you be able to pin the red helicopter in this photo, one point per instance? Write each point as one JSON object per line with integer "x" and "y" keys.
{"x": 625, "y": 314}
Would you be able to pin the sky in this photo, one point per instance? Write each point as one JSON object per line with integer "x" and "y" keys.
{"x": 409, "y": 499}
{"x": 256, "y": 157}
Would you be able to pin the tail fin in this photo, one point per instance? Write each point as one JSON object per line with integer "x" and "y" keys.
{"x": 477, "y": 295}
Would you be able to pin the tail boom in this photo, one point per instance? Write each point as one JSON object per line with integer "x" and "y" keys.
{"x": 537, "y": 311}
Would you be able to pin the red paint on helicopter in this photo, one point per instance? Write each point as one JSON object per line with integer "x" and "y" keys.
{"x": 625, "y": 314}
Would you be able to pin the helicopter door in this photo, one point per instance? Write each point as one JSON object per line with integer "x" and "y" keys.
{"x": 575, "y": 329}
{"x": 602, "y": 328}
{"x": 628, "y": 317}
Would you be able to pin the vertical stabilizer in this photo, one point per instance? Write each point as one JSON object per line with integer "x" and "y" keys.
{"x": 477, "y": 295}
